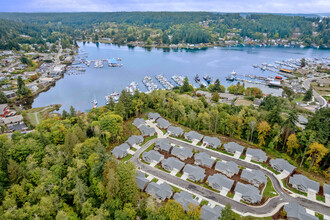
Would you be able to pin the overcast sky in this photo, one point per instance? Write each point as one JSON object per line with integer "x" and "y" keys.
{"x": 274, "y": 6}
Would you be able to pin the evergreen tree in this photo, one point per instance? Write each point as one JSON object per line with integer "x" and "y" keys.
{"x": 227, "y": 213}
{"x": 3, "y": 98}
{"x": 72, "y": 112}
{"x": 308, "y": 95}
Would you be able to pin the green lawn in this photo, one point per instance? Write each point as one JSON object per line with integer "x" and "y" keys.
{"x": 161, "y": 168}
{"x": 230, "y": 195}
{"x": 175, "y": 189}
{"x": 133, "y": 149}
{"x": 164, "y": 131}
{"x": 269, "y": 190}
{"x": 150, "y": 148}
{"x": 266, "y": 166}
{"x": 204, "y": 185}
{"x": 179, "y": 174}
{"x": 320, "y": 198}
{"x": 127, "y": 157}
{"x": 242, "y": 157}
{"x": 199, "y": 143}
{"x": 320, "y": 216}
{"x": 293, "y": 189}
{"x": 155, "y": 180}
{"x": 148, "y": 139}
{"x": 204, "y": 202}
{"x": 182, "y": 139}
{"x": 222, "y": 151}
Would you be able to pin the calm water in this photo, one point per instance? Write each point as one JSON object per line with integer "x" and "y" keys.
{"x": 80, "y": 90}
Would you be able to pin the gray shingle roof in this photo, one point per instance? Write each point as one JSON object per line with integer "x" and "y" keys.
{"x": 138, "y": 122}
{"x": 255, "y": 177}
{"x": 249, "y": 193}
{"x": 147, "y": 131}
{"x": 219, "y": 181}
{"x": 153, "y": 116}
{"x": 195, "y": 173}
{"x": 172, "y": 163}
{"x": 296, "y": 211}
{"x": 208, "y": 213}
{"x": 193, "y": 135}
{"x": 229, "y": 168}
{"x": 185, "y": 198}
{"x": 175, "y": 131}
{"x": 160, "y": 191}
{"x": 163, "y": 145}
{"x": 233, "y": 147}
{"x": 302, "y": 183}
{"x": 152, "y": 156}
{"x": 204, "y": 159}
{"x": 212, "y": 141}
{"x": 282, "y": 165}
{"x": 162, "y": 123}
{"x": 326, "y": 189}
{"x": 257, "y": 154}
{"x": 182, "y": 153}
{"x": 121, "y": 150}
{"x": 141, "y": 180}
{"x": 134, "y": 139}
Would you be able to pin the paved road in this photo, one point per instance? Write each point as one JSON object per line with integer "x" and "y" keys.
{"x": 306, "y": 84}
{"x": 267, "y": 208}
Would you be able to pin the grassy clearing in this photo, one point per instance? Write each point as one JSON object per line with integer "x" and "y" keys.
{"x": 148, "y": 139}
{"x": 127, "y": 157}
{"x": 293, "y": 189}
{"x": 269, "y": 191}
{"x": 41, "y": 113}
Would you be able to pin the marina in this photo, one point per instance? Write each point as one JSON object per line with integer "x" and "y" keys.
{"x": 164, "y": 82}
{"x": 78, "y": 88}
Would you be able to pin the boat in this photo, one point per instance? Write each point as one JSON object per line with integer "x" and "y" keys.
{"x": 230, "y": 78}
{"x": 233, "y": 73}
{"x": 274, "y": 83}
{"x": 278, "y": 77}
{"x": 197, "y": 79}
{"x": 94, "y": 103}
{"x": 207, "y": 79}
{"x": 114, "y": 96}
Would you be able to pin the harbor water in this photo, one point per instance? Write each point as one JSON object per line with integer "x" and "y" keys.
{"x": 79, "y": 90}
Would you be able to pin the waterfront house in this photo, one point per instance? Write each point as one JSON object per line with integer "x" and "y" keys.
{"x": 208, "y": 213}
{"x": 159, "y": 191}
{"x": 147, "y": 131}
{"x": 17, "y": 119}
{"x": 255, "y": 177}
{"x": 174, "y": 131}
{"x": 211, "y": 141}
{"x": 141, "y": 180}
{"x": 182, "y": 153}
{"x": 302, "y": 183}
{"x": 185, "y": 199}
{"x": 4, "y": 110}
{"x": 153, "y": 116}
{"x": 193, "y": 136}
{"x": 220, "y": 182}
{"x": 172, "y": 164}
{"x": 282, "y": 165}
{"x": 295, "y": 211}
{"x": 135, "y": 140}
{"x": 121, "y": 150}
{"x": 194, "y": 173}
{"x": 139, "y": 122}
{"x": 228, "y": 168}
{"x": 152, "y": 156}
{"x": 162, "y": 123}
{"x": 256, "y": 155}
{"x": 204, "y": 159}
{"x": 233, "y": 148}
{"x": 163, "y": 145}
{"x": 248, "y": 192}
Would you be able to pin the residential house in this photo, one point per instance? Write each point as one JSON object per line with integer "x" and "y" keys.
{"x": 233, "y": 147}
{"x": 17, "y": 127}
{"x": 249, "y": 193}
{"x": 185, "y": 199}
{"x": 213, "y": 142}
{"x": 174, "y": 131}
{"x": 220, "y": 182}
{"x": 326, "y": 191}
{"x": 281, "y": 165}
{"x": 121, "y": 150}
{"x": 159, "y": 191}
{"x": 256, "y": 155}
{"x": 162, "y": 123}
{"x": 193, "y": 136}
{"x": 10, "y": 94}
{"x": 208, "y": 213}
{"x": 17, "y": 119}
{"x": 294, "y": 211}
{"x": 163, "y": 145}
{"x": 182, "y": 153}
{"x": 204, "y": 159}
{"x": 229, "y": 168}
{"x": 147, "y": 131}
{"x": 141, "y": 180}
{"x": 135, "y": 140}
{"x": 138, "y": 122}
{"x": 302, "y": 183}
{"x": 194, "y": 173}
{"x": 4, "y": 110}
{"x": 172, "y": 164}
{"x": 255, "y": 177}
{"x": 152, "y": 156}
{"x": 153, "y": 116}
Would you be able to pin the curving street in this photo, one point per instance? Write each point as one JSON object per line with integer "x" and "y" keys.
{"x": 268, "y": 209}
{"x": 307, "y": 83}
